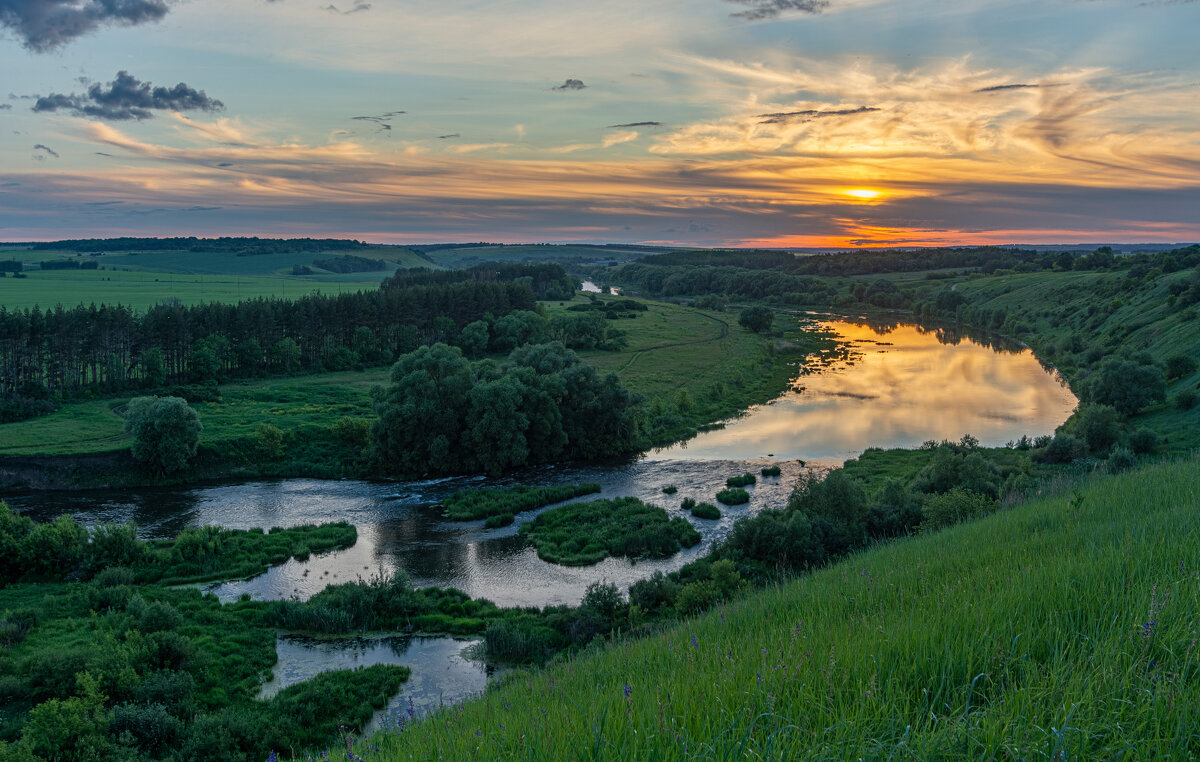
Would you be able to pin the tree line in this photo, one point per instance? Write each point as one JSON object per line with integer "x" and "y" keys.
{"x": 48, "y": 355}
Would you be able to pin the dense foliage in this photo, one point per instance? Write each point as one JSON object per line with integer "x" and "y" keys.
{"x": 443, "y": 414}
{"x": 103, "y": 660}
{"x": 581, "y": 534}
{"x": 472, "y": 504}
{"x": 59, "y": 352}
{"x": 165, "y": 432}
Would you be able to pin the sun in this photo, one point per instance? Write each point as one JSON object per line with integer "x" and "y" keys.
{"x": 863, "y": 194}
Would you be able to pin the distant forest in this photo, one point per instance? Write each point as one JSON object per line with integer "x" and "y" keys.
{"x": 59, "y": 353}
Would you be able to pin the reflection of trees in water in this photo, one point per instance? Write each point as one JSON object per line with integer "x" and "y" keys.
{"x": 951, "y": 334}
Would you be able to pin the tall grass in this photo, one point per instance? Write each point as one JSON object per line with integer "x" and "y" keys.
{"x": 1064, "y": 628}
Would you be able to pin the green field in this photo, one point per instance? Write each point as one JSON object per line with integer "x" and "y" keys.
{"x": 1064, "y": 628}
{"x": 288, "y": 403}
{"x": 140, "y": 290}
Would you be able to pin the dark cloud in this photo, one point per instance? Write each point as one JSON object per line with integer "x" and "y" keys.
{"x": 101, "y": 153}
{"x": 44, "y": 25}
{"x": 758, "y": 10}
{"x": 633, "y": 124}
{"x": 571, "y": 84}
{"x": 451, "y": 135}
{"x": 47, "y": 149}
{"x": 1014, "y": 86}
{"x": 5, "y": 106}
{"x": 359, "y": 7}
{"x": 126, "y": 97}
{"x": 381, "y": 121}
{"x": 785, "y": 117}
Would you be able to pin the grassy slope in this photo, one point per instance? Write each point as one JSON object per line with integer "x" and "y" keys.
{"x": 1098, "y": 307}
{"x": 1023, "y": 635}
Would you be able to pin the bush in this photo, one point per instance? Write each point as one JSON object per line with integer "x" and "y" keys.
{"x": 1128, "y": 386}
{"x": 1062, "y": 449}
{"x": 955, "y": 506}
{"x": 670, "y": 489}
{"x": 1121, "y": 459}
{"x": 1099, "y": 426}
{"x": 1186, "y": 399}
{"x": 687, "y": 504}
{"x": 733, "y": 496}
{"x": 1179, "y": 366}
{"x": 771, "y": 471}
{"x": 1143, "y": 441}
{"x": 706, "y": 511}
{"x": 757, "y": 319}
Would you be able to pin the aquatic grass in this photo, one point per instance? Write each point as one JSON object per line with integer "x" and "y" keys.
{"x": 580, "y": 534}
{"x": 744, "y": 480}
{"x": 771, "y": 471}
{"x": 706, "y": 511}
{"x": 473, "y": 504}
{"x": 734, "y": 496}
{"x": 1026, "y": 634}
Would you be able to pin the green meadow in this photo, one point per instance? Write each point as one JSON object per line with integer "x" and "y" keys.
{"x": 1063, "y": 628}
{"x": 141, "y": 289}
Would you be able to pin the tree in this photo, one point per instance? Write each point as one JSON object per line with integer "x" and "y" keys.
{"x": 165, "y": 432}
{"x": 422, "y": 416}
{"x": 1128, "y": 386}
{"x": 757, "y": 319}
{"x": 1099, "y": 426}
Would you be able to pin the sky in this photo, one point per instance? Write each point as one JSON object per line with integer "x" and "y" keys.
{"x": 772, "y": 123}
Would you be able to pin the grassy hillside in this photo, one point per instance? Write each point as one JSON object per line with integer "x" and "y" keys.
{"x": 1073, "y": 318}
{"x": 1064, "y": 628}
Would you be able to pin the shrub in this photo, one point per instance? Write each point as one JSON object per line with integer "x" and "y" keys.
{"x": 955, "y": 506}
{"x": 771, "y": 471}
{"x": 1098, "y": 426}
{"x": 733, "y": 496}
{"x": 1063, "y": 448}
{"x": 1179, "y": 366}
{"x": 687, "y": 504}
{"x": 670, "y": 489}
{"x": 706, "y": 511}
{"x": 757, "y": 319}
{"x": 1186, "y": 399}
{"x": 1121, "y": 459}
{"x": 1143, "y": 441}
{"x": 741, "y": 481}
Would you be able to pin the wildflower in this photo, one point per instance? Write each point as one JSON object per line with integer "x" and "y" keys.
{"x": 695, "y": 642}
{"x": 627, "y": 690}
{"x": 272, "y": 757}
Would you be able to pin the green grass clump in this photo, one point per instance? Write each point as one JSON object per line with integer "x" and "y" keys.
{"x": 741, "y": 481}
{"x": 670, "y": 489}
{"x": 706, "y": 511}
{"x": 688, "y": 504}
{"x": 581, "y": 534}
{"x": 1062, "y": 628}
{"x": 771, "y": 471}
{"x": 499, "y": 520}
{"x": 733, "y": 496}
{"x": 472, "y": 504}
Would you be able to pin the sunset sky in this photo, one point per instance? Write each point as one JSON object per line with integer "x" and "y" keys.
{"x": 703, "y": 122}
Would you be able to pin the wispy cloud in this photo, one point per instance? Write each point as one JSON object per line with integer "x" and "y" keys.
{"x": 633, "y": 124}
{"x": 359, "y": 7}
{"x": 43, "y": 25}
{"x": 807, "y": 115}
{"x": 571, "y": 84}
{"x": 47, "y": 149}
{"x": 758, "y": 10}
{"x": 127, "y": 97}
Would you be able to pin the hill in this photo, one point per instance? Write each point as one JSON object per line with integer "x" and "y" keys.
{"x": 1063, "y": 628}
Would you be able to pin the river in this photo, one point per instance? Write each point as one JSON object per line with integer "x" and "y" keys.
{"x": 895, "y": 386}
